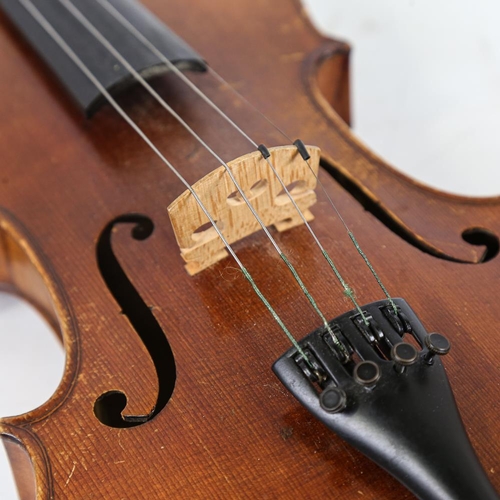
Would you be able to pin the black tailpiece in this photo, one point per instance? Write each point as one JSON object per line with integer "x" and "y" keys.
{"x": 389, "y": 399}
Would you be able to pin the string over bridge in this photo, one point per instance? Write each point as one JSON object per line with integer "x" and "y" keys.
{"x": 199, "y": 244}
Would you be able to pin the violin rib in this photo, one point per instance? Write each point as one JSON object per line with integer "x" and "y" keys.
{"x": 217, "y": 423}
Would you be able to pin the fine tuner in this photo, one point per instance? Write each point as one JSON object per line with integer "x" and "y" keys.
{"x": 179, "y": 241}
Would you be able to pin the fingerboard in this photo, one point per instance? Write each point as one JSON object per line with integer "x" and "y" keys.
{"x": 93, "y": 54}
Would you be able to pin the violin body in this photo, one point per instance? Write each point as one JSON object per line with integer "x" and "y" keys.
{"x": 229, "y": 429}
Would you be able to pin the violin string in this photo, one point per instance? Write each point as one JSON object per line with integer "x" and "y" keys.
{"x": 105, "y": 42}
{"x": 105, "y": 4}
{"x": 51, "y": 31}
{"x": 353, "y": 239}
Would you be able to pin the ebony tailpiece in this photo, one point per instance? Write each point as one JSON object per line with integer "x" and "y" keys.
{"x": 389, "y": 400}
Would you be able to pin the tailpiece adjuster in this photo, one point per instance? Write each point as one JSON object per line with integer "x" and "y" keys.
{"x": 390, "y": 398}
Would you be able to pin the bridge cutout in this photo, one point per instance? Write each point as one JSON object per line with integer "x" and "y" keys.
{"x": 199, "y": 243}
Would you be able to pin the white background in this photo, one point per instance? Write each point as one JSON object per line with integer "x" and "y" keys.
{"x": 426, "y": 80}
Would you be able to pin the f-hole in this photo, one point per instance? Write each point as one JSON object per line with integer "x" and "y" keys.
{"x": 484, "y": 238}
{"x": 474, "y": 236}
{"x": 109, "y": 407}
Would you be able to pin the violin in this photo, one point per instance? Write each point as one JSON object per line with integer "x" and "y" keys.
{"x": 252, "y": 303}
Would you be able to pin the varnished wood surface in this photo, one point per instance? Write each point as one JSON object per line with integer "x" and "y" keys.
{"x": 230, "y": 429}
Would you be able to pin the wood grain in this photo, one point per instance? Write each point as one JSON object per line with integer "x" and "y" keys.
{"x": 198, "y": 240}
{"x": 230, "y": 429}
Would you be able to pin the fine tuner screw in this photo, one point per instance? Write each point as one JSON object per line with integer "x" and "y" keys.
{"x": 437, "y": 344}
{"x": 403, "y": 355}
{"x": 333, "y": 399}
{"x": 366, "y": 373}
